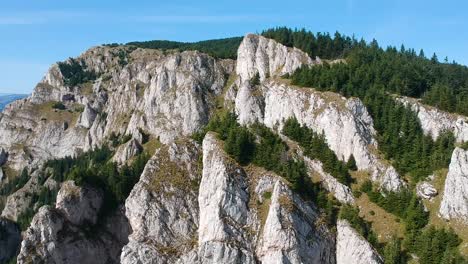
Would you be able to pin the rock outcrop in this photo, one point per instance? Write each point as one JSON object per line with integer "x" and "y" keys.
{"x": 79, "y": 205}
{"x": 454, "y": 203}
{"x": 353, "y": 248}
{"x": 163, "y": 209}
{"x": 20, "y": 201}
{"x": 127, "y": 151}
{"x": 229, "y": 215}
{"x": 192, "y": 203}
{"x": 340, "y": 191}
{"x": 426, "y": 190}
{"x": 63, "y": 235}
{"x": 435, "y": 121}
{"x": 225, "y": 215}
{"x": 267, "y": 57}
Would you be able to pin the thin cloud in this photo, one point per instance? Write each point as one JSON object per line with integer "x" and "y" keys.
{"x": 199, "y": 19}
{"x": 43, "y": 17}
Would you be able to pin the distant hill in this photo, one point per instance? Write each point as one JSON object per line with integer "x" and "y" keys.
{"x": 8, "y": 98}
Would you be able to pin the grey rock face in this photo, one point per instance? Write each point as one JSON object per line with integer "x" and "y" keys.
{"x": 51, "y": 239}
{"x": 87, "y": 117}
{"x": 80, "y": 205}
{"x": 168, "y": 95}
{"x": 162, "y": 208}
{"x": 352, "y": 247}
{"x": 225, "y": 215}
{"x": 21, "y": 200}
{"x": 346, "y": 124}
{"x": 68, "y": 233}
{"x": 10, "y": 239}
{"x": 223, "y": 204}
{"x": 454, "y": 203}
{"x": 435, "y": 121}
{"x": 127, "y": 151}
{"x": 267, "y": 57}
{"x": 340, "y": 191}
{"x": 425, "y": 190}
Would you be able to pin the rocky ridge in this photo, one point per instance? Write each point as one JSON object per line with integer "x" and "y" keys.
{"x": 192, "y": 203}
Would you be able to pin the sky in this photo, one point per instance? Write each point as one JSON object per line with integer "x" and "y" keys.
{"x": 35, "y": 34}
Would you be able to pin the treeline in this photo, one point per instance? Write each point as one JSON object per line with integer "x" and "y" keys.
{"x": 402, "y": 71}
{"x": 400, "y": 136}
{"x": 322, "y": 45}
{"x": 315, "y": 147}
{"x": 218, "y": 48}
{"x": 262, "y": 147}
{"x": 75, "y": 72}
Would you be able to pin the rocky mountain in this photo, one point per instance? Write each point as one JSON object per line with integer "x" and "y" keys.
{"x": 107, "y": 168}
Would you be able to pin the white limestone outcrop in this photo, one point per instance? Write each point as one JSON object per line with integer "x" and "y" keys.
{"x": 426, "y": 190}
{"x": 127, "y": 151}
{"x": 351, "y": 247}
{"x": 435, "y": 121}
{"x": 454, "y": 203}
{"x": 68, "y": 233}
{"x": 340, "y": 191}
{"x": 162, "y": 208}
{"x": 267, "y": 57}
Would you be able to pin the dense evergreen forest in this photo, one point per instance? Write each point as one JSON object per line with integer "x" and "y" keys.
{"x": 371, "y": 73}
{"x": 374, "y": 74}
{"x": 401, "y": 71}
{"x": 218, "y": 48}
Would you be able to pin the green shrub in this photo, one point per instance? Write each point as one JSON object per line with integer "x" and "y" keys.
{"x": 59, "y": 106}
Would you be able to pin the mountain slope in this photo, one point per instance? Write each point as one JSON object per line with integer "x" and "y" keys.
{"x": 162, "y": 171}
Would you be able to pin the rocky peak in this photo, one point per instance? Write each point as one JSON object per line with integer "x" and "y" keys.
{"x": 267, "y": 57}
{"x": 454, "y": 203}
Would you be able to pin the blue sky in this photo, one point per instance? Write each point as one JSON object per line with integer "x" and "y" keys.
{"x": 35, "y": 34}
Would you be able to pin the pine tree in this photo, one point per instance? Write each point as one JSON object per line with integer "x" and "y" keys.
{"x": 351, "y": 164}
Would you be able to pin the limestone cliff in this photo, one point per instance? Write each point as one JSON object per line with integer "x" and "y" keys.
{"x": 193, "y": 203}
{"x": 435, "y": 121}
{"x": 455, "y": 197}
